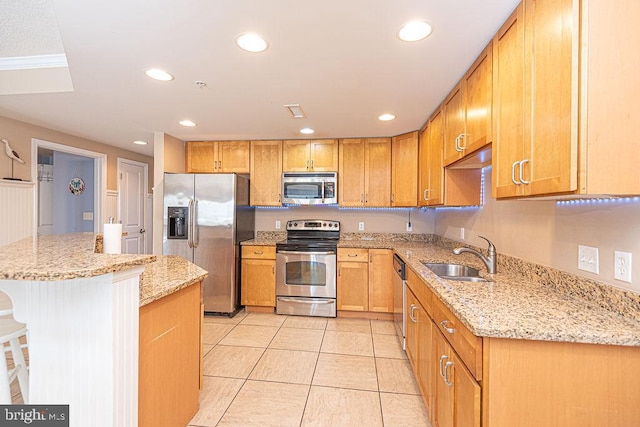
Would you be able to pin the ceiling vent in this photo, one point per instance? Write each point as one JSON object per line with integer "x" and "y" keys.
{"x": 295, "y": 110}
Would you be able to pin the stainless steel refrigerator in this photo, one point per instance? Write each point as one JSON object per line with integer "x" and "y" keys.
{"x": 206, "y": 216}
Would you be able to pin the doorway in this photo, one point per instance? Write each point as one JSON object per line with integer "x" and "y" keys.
{"x": 71, "y": 183}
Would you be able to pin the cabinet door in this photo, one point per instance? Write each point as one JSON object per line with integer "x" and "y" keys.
{"x": 258, "y": 282}
{"x": 353, "y": 286}
{"x": 435, "y": 160}
{"x": 377, "y": 172}
{"x": 466, "y": 395}
{"x": 381, "y": 280}
{"x": 200, "y": 156}
{"x": 404, "y": 170}
{"x": 454, "y": 115}
{"x": 426, "y": 354}
{"x": 444, "y": 397}
{"x": 551, "y": 38}
{"x": 508, "y": 105}
{"x": 478, "y": 92}
{"x": 295, "y": 156}
{"x": 233, "y": 156}
{"x": 351, "y": 172}
{"x": 324, "y": 155}
{"x": 423, "y": 167}
{"x": 413, "y": 310}
{"x": 266, "y": 173}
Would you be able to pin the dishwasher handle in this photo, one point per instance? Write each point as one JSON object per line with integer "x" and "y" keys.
{"x": 399, "y": 266}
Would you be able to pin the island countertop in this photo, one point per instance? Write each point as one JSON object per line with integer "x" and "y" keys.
{"x": 73, "y": 256}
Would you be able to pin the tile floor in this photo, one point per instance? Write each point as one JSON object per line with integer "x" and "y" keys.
{"x": 269, "y": 370}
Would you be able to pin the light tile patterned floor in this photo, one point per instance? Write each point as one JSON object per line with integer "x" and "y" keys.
{"x": 269, "y": 370}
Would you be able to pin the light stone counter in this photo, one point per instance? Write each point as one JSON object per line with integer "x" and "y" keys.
{"x": 168, "y": 274}
{"x": 522, "y": 301}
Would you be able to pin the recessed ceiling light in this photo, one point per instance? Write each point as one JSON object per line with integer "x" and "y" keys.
{"x": 307, "y": 131}
{"x": 252, "y": 42}
{"x": 140, "y": 142}
{"x": 386, "y": 117}
{"x": 414, "y": 31}
{"x": 158, "y": 74}
{"x": 187, "y": 123}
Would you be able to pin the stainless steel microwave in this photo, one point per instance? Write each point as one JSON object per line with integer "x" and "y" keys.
{"x": 310, "y": 188}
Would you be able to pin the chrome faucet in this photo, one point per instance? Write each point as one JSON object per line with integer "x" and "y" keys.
{"x": 489, "y": 261}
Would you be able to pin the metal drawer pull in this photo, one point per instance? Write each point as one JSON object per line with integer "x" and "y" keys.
{"x": 521, "y": 163}
{"x": 303, "y": 301}
{"x": 442, "y": 358}
{"x": 444, "y": 324}
{"x": 411, "y": 308}
{"x": 352, "y": 255}
{"x": 258, "y": 252}
{"x": 446, "y": 374}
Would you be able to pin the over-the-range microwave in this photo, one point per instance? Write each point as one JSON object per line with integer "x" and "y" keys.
{"x": 310, "y": 188}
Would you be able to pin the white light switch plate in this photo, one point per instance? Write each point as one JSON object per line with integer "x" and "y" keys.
{"x": 361, "y": 226}
{"x": 277, "y": 225}
{"x": 588, "y": 259}
{"x": 87, "y": 216}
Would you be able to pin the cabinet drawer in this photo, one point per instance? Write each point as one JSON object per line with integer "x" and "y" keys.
{"x": 467, "y": 345}
{"x": 353, "y": 255}
{"x": 420, "y": 290}
{"x": 259, "y": 252}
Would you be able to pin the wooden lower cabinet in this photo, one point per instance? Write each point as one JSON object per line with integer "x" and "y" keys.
{"x": 169, "y": 359}
{"x": 258, "y": 282}
{"x": 353, "y": 286}
{"x": 365, "y": 280}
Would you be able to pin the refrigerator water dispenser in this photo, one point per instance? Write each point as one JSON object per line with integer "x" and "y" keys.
{"x": 178, "y": 217}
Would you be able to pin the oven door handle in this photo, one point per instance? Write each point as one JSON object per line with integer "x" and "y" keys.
{"x": 305, "y": 301}
{"x": 305, "y": 253}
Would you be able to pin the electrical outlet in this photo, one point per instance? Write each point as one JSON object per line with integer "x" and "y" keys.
{"x": 622, "y": 266}
{"x": 277, "y": 225}
{"x": 409, "y": 227}
{"x": 361, "y": 226}
{"x": 462, "y": 233}
{"x": 588, "y": 259}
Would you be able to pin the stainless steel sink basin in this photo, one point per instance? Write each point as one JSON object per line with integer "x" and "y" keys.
{"x": 459, "y": 272}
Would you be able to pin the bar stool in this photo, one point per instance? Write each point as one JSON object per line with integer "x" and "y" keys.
{"x": 10, "y": 332}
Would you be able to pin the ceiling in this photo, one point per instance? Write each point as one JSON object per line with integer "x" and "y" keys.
{"x": 341, "y": 60}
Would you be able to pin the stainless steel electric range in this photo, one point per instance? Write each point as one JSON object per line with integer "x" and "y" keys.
{"x": 306, "y": 268}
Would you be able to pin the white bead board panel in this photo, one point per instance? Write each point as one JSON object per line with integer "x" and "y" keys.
{"x": 16, "y": 211}
{"x": 111, "y": 206}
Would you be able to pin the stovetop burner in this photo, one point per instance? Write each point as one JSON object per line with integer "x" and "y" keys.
{"x": 307, "y": 235}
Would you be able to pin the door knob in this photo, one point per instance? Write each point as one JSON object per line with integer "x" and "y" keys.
{"x": 142, "y": 230}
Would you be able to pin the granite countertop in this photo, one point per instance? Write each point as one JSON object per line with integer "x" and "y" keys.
{"x": 522, "y": 301}
{"x": 166, "y": 275}
{"x": 514, "y": 305}
{"x": 61, "y": 257}
{"x": 73, "y": 256}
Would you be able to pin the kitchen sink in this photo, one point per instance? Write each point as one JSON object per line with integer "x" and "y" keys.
{"x": 460, "y": 272}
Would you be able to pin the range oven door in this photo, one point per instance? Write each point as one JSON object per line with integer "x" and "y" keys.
{"x": 306, "y": 274}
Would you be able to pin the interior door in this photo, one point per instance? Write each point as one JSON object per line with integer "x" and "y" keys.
{"x": 131, "y": 192}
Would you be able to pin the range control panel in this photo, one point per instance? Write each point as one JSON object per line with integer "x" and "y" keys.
{"x": 313, "y": 224}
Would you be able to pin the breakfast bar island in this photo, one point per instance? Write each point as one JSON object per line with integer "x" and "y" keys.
{"x": 104, "y": 329}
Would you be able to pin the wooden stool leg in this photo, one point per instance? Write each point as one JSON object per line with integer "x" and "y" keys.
{"x": 21, "y": 368}
{"x": 5, "y": 391}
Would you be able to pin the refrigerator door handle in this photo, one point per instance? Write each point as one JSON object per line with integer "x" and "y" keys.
{"x": 196, "y": 229}
{"x": 190, "y": 227}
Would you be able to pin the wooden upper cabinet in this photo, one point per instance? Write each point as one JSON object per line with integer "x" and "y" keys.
{"x": 266, "y": 173}
{"x": 200, "y": 156}
{"x": 404, "y": 170}
{"x": 431, "y": 165}
{"x": 536, "y": 104}
{"x": 365, "y": 172}
{"x": 468, "y": 112}
{"x": 234, "y": 156}
{"x": 217, "y": 156}
{"x": 320, "y": 155}
{"x": 377, "y": 172}
{"x": 351, "y": 172}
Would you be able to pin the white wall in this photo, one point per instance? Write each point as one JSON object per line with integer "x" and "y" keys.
{"x": 548, "y": 233}
{"x": 375, "y": 220}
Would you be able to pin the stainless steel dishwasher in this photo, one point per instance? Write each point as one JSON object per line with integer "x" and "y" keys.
{"x": 399, "y": 298}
